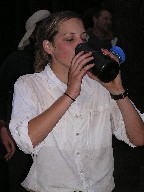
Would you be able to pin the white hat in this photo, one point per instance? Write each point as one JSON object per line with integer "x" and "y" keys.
{"x": 30, "y": 26}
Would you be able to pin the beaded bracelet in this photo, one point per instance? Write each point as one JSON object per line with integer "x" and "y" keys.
{"x": 69, "y": 96}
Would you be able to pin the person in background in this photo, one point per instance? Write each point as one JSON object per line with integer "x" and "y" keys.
{"x": 18, "y": 63}
{"x": 98, "y": 22}
{"x": 7, "y": 149}
{"x": 64, "y": 116}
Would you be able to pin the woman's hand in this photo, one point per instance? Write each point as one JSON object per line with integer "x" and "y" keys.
{"x": 77, "y": 71}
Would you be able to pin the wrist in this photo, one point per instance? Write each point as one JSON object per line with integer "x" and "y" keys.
{"x": 120, "y": 96}
{"x": 69, "y": 96}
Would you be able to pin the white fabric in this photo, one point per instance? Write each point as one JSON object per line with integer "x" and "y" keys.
{"x": 77, "y": 154}
{"x": 30, "y": 26}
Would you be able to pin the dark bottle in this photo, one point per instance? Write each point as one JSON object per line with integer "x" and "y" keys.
{"x": 105, "y": 68}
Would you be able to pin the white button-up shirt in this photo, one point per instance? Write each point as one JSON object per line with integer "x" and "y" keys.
{"x": 77, "y": 154}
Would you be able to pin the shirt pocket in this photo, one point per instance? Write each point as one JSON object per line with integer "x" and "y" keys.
{"x": 99, "y": 127}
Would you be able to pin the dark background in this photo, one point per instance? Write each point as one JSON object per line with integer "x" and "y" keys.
{"x": 128, "y": 24}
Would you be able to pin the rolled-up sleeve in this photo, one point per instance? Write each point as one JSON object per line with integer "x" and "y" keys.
{"x": 118, "y": 126}
{"x": 24, "y": 109}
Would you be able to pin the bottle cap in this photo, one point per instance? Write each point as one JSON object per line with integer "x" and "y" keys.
{"x": 118, "y": 52}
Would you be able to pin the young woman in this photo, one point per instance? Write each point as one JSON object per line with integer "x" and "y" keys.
{"x": 65, "y": 117}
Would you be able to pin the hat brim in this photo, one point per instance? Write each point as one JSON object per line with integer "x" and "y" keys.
{"x": 25, "y": 40}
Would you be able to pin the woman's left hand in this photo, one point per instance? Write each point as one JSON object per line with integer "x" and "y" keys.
{"x": 114, "y": 87}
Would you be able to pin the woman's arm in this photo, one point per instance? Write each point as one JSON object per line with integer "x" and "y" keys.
{"x": 133, "y": 122}
{"x": 42, "y": 125}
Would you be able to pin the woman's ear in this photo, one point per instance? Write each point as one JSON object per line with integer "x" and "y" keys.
{"x": 48, "y": 47}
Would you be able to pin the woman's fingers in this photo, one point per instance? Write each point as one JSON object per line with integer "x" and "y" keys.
{"x": 81, "y": 60}
{"x": 111, "y": 55}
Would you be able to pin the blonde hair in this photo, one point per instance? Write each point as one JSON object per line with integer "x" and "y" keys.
{"x": 47, "y": 30}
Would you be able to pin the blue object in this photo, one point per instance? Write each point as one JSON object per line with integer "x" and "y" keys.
{"x": 118, "y": 52}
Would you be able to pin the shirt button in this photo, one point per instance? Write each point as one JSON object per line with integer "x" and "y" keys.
{"x": 81, "y": 171}
{"x": 77, "y": 153}
{"x": 77, "y": 134}
{"x": 77, "y": 116}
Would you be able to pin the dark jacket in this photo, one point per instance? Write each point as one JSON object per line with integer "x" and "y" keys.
{"x": 18, "y": 63}
{"x": 98, "y": 43}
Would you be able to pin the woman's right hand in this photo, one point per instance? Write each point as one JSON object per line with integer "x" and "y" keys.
{"x": 77, "y": 71}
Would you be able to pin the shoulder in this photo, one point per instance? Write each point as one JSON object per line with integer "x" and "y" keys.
{"x": 30, "y": 78}
{"x": 26, "y": 78}
{"x": 23, "y": 80}
{"x": 24, "y": 85}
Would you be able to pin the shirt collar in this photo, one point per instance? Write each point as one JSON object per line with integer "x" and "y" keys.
{"x": 53, "y": 81}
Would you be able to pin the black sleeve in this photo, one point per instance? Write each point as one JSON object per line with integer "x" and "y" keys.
{"x": 15, "y": 65}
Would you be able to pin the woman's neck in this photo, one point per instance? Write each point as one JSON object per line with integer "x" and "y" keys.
{"x": 61, "y": 73}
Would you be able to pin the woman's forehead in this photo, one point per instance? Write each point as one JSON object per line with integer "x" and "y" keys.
{"x": 71, "y": 26}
